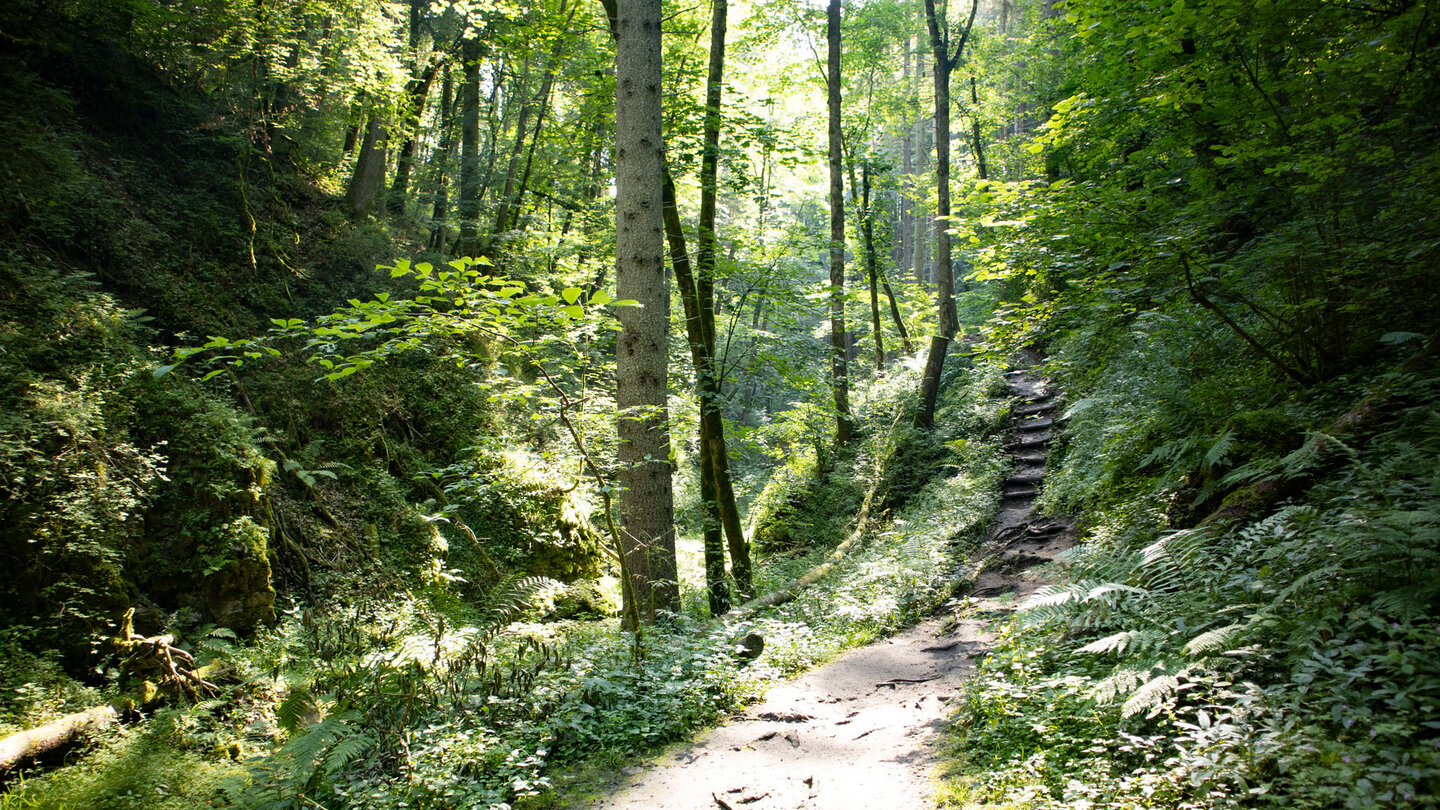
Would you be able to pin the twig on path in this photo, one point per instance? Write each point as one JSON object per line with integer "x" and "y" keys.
{"x": 894, "y": 682}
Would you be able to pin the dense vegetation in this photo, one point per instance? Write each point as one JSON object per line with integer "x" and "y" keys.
{"x": 385, "y": 511}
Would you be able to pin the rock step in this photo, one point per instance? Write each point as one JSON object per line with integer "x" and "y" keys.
{"x": 1019, "y": 492}
{"x": 1033, "y": 408}
{"x": 1032, "y": 425}
{"x": 1033, "y": 477}
{"x": 1029, "y": 458}
{"x": 1030, "y": 443}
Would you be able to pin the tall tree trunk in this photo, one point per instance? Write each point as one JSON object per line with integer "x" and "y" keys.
{"x": 369, "y": 169}
{"x": 416, "y": 91}
{"x": 646, "y": 505}
{"x": 839, "y": 349}
{"x": 468, "y": 206}
{"x": 944, "y": 272}
{"x": 700, "y": 355}
{"x": 904, "y": 248}
{"x": 441, "y": 210}
{"x": 711, "y": 419}
{"x": 867, "y": 227}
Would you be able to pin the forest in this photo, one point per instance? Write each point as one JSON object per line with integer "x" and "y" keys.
{"x": 454, "y": 403}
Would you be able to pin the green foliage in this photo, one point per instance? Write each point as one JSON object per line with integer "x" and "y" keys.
{"x": 1289, "y": 662}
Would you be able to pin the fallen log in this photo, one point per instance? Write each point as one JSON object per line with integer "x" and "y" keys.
{"x": 25, "y": 746}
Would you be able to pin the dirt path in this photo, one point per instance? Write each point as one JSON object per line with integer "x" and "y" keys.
{"x": 861, "y": 731}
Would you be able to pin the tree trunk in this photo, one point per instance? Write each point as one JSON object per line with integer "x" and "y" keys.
{"x": 507, "y": 215}
{"x": 980, "y": 169}
{"x": 711, "y": 419}
{"x": 839, "y": 370}
{"x": 369, "y": 169}
{"x": 944, "y": 272}
{"x": 468, "y": 208}
{"x": 27, "y": 745}
{"x": 416, "y": 91}
{"x": 908, "y": 347}
{"x": 867, "y": 227}
{"x": 441, "y": 210}
{"x": 714, "y": 542}
{"x": 646, "y": 506}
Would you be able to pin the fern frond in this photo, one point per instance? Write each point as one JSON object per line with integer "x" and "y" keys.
{"x": 347, "y": 750}
{"x": 1120, "y": 682}
{"x": 1113, "y": 587}
{"x": 1053, "y": 595}
{"x": 1151, "y": 695}
{"x": 1220, "y": 450}
{"x": 1214, "y": 639}
{"x": 294, "y": 707}
{"x": 1119, "y": 642}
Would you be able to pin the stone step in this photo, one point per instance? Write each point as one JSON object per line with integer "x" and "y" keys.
{"x": 1030, "y": 443}
{"x": 1019, "y": 492}
{"x": 1032, "y": 425}
{"x": 1033, "y": 477}
{"x": 1029, "y": 458}
{"x": 1032, "y": 408}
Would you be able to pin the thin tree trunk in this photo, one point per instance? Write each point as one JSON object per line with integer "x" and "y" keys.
{"x": 646, "y": 505}
{"x": 944, "y": 273}
{"x": 909, "y": 349}
{"x": 981, "y": 169}
{"x": 714, "y": 541}
{"x": 711, "y": 418}
{"x": 468, "y": 207}
{"x": 867, "y": 226}
{"x": 839, "y": 370}
{"x": 441, "y": 210}
{"x": 416, "y": 91}
{"x": 508, "y": 213}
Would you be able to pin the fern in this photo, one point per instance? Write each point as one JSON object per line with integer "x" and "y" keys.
{"x": 1151, "y": 695}
{"x": 1211, "y": 640}
{"x": 1220, "y": 450}
{"x": 1118, "y": 643}
{"x": 1122, "y": 681}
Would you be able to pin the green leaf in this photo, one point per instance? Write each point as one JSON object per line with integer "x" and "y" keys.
{"x": 571, "y": 294}
{"x": 601, "y": 298}
{"x": 573, "y": 311}
{"x": 161, "y": 371}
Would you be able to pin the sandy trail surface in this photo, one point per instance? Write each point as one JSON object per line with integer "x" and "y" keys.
{"x": 862, "y": 732}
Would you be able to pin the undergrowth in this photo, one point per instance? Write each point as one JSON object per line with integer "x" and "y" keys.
{"x": 1292, "y": 662}
{"x": 424, "y": 700}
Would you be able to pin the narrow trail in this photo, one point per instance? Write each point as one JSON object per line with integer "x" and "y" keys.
{"x": 860, "y": 733}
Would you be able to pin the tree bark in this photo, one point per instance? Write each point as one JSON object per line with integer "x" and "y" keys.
{"x": 839, "y": 366}
{"x": 981, "y": 169}
{"x": 468, "y": 206}
{"x": 867, "y": 227}
{"x": 944, "y": 272}
{"x": 441, "y": 210}
{"x": 23, "y": 746}
{"x": 646, "y": 505}
{"x": 713, "y": 539}
{"x": 508, "y": 213}
{"x": 905, "y": 343}
{"x": 710, "y": 389}
{"x": 416, "y": 91}
{"x": 369, "y": 169}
